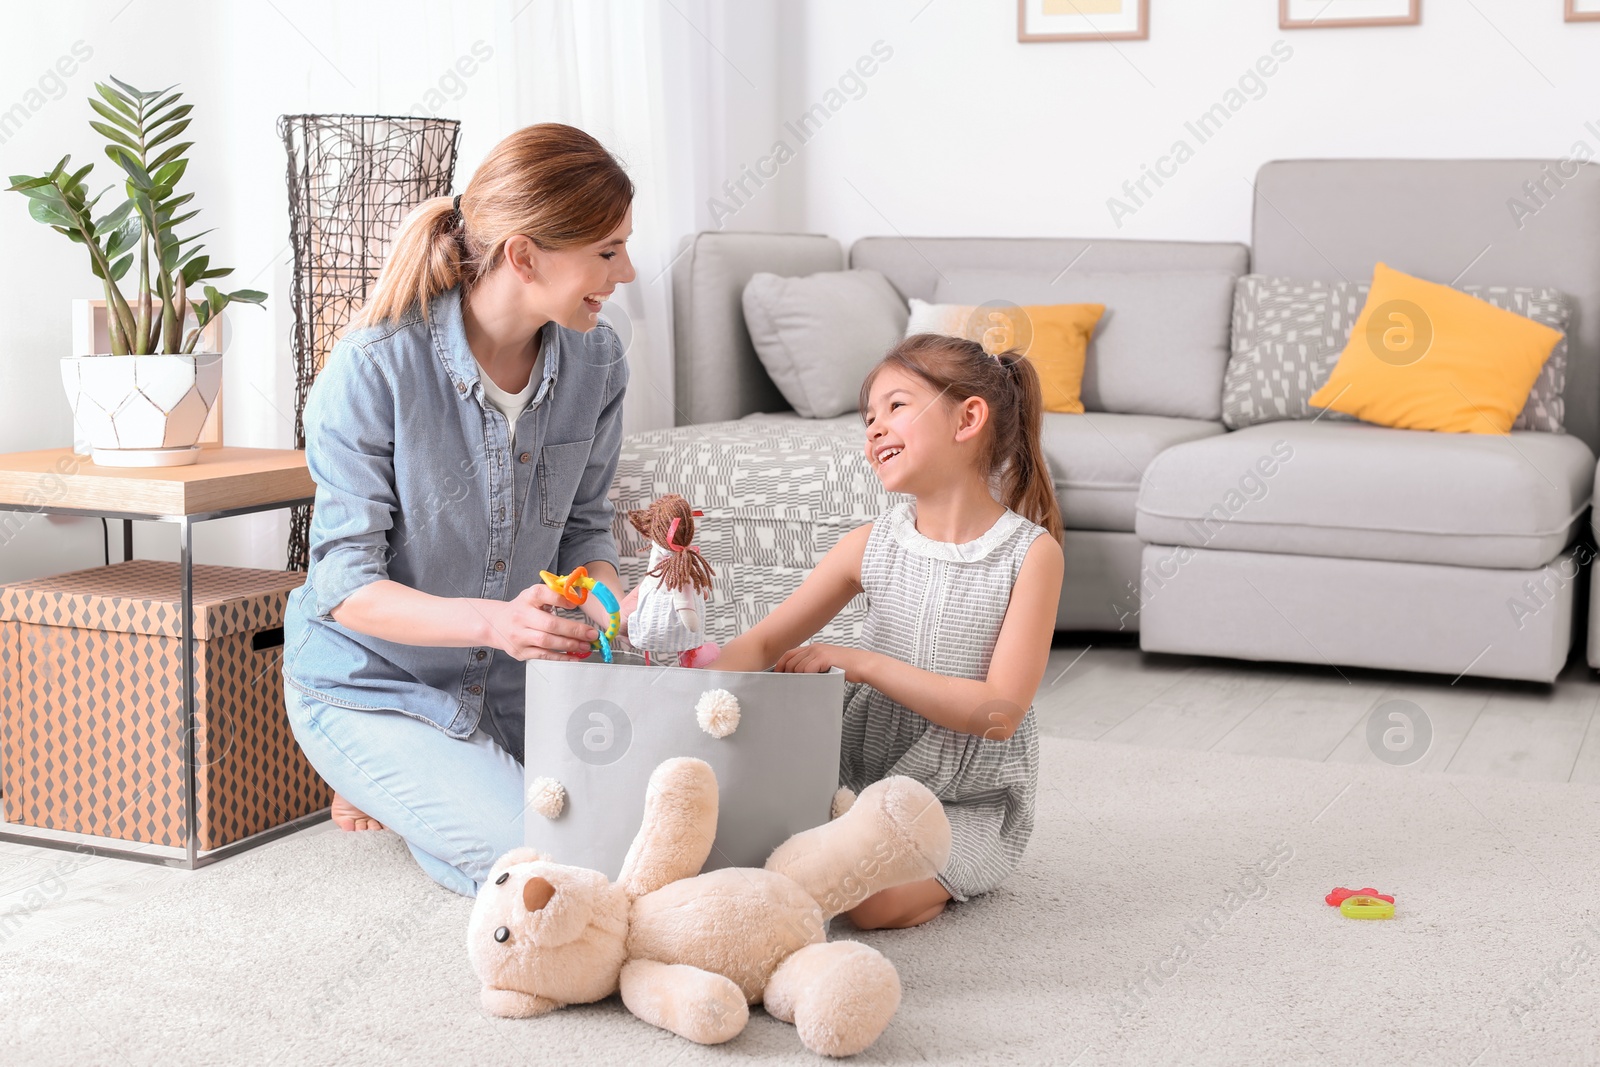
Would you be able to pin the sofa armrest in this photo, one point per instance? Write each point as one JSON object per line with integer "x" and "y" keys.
{"x": 716, "y": 373}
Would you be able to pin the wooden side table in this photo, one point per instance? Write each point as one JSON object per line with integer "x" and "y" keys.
{"x": 222, "y": 483}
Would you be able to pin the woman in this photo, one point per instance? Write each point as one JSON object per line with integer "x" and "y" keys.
{"x": 463, "y": 436}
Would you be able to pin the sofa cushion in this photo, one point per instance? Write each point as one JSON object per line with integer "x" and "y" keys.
{"x": 1424, "y": 356}
{"x": 1096, "y": 460}
{"x": 1368, "y": 492}
{"x": 1288, "y": 334}
{"x": 820, "y": 335}
{"x": 1160, "y": 349}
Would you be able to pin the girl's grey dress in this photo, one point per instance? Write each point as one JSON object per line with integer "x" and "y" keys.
{"x": 939, "y": 606}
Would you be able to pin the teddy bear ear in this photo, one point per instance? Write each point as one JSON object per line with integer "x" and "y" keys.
{"x": 514, "y": 857}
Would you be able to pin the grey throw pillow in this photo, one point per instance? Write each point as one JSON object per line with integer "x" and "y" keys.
{"x": 1287, "y": 335}
{"x": 820, "y": 335}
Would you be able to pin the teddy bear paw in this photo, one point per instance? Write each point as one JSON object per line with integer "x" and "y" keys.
{"x": 840, "y": 996}
{"x": 842, "y": 801}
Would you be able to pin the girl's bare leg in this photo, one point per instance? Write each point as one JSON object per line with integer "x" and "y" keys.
{"x": 906, "y": 905}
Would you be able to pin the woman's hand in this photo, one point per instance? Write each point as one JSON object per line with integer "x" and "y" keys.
{"x": 602, "y": 618}
{"x": 524, "y": 627}
{"x": 818, "y": 659}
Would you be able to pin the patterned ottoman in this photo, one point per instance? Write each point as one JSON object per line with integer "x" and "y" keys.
{"x": 777, "y": 491}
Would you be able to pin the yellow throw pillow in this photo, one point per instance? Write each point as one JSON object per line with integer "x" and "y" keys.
{"x": 1055, "y": 337}
{"x": 1059, "y": 348}
{"x": 1424, "y": 356}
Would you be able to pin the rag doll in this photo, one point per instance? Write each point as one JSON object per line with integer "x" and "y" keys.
{"x": 670, "y": 615}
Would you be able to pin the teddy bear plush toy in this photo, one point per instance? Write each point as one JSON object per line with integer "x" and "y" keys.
{"x": 691, "y": 952}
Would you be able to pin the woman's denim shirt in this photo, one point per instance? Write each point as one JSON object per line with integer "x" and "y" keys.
{"x": 417, "y": 482}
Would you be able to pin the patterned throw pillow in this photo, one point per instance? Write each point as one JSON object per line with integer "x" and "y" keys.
{"x": 1287, "y": 335}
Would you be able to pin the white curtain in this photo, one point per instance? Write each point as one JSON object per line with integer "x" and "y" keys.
{"x": 651, "y": 79}
{"x": 623, "y": 71}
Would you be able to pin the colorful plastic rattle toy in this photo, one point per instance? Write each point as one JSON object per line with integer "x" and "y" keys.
{"x": 1340, "y": 893}
{"x": 1361, "y": 906}
{"x": 575, "y": 589}
{"x": 1362, "y": 903}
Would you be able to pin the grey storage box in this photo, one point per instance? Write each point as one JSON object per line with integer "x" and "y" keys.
{"x": 600, "y": 729}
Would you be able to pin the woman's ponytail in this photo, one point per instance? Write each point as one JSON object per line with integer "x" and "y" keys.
{"x": 426, "y": 260}
{"x": 1026, "y": 485}
{"x": 550, "y": 182}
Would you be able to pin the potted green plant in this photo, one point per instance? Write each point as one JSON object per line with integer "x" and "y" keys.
{"x": 145, "y": 402}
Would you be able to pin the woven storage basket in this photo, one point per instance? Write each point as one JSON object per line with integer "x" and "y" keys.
{"x": 91, "y": 692}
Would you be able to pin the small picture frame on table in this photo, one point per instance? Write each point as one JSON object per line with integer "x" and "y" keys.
{"x": 1583, "y": 11}
{"x": 1345, "y": 14}
{"x": 1083, "y": 20}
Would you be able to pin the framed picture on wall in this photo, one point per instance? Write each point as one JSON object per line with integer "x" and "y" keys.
{"x": 1583, "y": 10}
{"x": 1332, "y": 14}
{"x": 1083, "y": 20}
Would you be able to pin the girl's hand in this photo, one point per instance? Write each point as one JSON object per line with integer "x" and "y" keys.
{"x": 818, "y": 659}
{"x": 524, "y": 627}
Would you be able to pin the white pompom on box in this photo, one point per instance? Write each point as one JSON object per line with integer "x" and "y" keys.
{"x": 547, "y": 797}
{"x": 717, "y": 712}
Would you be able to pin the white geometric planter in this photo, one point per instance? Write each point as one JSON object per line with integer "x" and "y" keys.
{"x": 141, "y": 411}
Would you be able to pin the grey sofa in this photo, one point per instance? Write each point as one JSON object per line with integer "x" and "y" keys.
{"x": 1364, "y": 546}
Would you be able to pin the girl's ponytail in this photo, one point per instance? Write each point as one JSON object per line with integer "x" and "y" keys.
{"x": 1026, "y": 485}
{"x": 551, "y": 183}
{"x": 426, "y": 260}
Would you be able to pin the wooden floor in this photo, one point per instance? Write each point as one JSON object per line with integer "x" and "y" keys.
{"x": 1101, "y": 689}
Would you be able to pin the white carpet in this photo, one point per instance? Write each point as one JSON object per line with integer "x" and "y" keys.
{"x": 333, "y": 948}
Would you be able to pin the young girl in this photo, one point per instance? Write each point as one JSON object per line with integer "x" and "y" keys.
{"x": 962, "y": 593}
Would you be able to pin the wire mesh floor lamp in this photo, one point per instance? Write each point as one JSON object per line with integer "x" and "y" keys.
{"x": 352, "y": 179}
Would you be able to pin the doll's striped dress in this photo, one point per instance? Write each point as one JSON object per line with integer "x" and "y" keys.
{"x": 939, "y": 606}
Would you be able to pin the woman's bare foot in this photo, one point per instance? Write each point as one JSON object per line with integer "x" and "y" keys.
{"x": 346, "y": 816}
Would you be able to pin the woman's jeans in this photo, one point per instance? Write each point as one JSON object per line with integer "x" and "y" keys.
{"x": 457, "y": 803}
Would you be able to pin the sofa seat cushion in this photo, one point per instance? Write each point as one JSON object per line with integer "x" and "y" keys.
{"x": 1097, "y": 459}
{"x": 1356, "y": 491}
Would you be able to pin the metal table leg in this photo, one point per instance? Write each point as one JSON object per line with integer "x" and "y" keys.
{"x": 190, "y": 859}
{"x": 191, "y": 836}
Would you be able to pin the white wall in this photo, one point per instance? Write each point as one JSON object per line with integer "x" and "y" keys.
{"x": 964, "y": 131}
